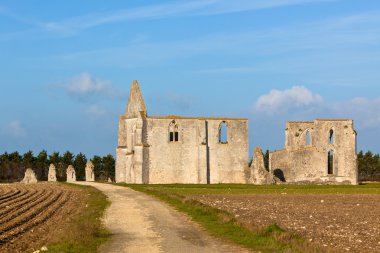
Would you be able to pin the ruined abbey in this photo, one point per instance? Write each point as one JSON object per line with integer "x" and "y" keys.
{"x": 206, "y": 150}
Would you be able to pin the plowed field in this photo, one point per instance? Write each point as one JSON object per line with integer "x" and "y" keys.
{"x": 30, "y": 215}
{"x": 337, "y": 222}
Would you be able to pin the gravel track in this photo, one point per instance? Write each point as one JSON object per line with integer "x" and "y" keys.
{"x": 141, "y": 223}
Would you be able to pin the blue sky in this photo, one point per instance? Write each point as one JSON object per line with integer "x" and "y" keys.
{"x": 67, "y": 66}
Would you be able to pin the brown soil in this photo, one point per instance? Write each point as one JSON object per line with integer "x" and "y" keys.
{"x": 35, "y": 214}
{"x": 343, "y": 223}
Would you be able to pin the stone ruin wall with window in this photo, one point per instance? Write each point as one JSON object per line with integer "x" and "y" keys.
{"x": 172, "y": 149}
{"x": 184, "y": 161}
{"x": 323, "y": 151}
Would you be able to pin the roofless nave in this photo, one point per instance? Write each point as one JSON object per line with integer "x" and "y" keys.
{"x": 201, "y": 150}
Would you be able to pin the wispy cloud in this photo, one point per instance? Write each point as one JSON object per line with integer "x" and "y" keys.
{"x": 84, "y": 86}
{"x": 74, "y": 25}
{"x": 226, "y": 6}
{"x": 14, "y": 129}
{"x": 364, "y": 110}
{"x": 96, "y": 112}
{"x": 308, "y": 46}
{"x": 172, "y": 102}
{"x": 2, "y": 9}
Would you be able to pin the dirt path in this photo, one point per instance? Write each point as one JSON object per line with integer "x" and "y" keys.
{"x": 141, "y": 223}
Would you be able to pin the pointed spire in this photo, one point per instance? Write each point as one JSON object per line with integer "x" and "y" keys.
{"x": 136, "y": 103}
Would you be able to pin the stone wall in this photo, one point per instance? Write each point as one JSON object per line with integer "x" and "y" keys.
{"x": 302, "y": 162}
{"x": 185, "y": 161}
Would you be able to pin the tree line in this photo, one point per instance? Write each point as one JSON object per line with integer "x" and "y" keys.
{"x": 368, "y": 166}
{"x": 13, "y": 165}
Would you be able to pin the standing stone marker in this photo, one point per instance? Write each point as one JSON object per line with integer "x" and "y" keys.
{"x": 90, "y": 172}
{"x": 30, "y": 177}
{"x": 259, "y": 174}
{"x": 52, "y": 176}
{"x": 71, "y": 176}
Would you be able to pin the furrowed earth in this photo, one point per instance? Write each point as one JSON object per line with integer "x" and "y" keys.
{"x": 338, "y": 218}
{"x": 338, "y": 222}
{"x": 33, "y": 215}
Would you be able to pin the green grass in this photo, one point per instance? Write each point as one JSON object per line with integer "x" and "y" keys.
{"x": 224, "y": 225}
{"x": 265, "y": 189}
{"x": 85, "y": 232}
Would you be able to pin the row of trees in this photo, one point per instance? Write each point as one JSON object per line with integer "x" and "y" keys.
{"x": 369, "y": 166}
{"x": 13, "y": 165}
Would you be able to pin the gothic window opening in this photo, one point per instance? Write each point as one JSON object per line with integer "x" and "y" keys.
{"x": 331, "y": 136}
{"x": 173, "y": 132}
{"x": 308, "y": 141}
{"x": 223, "y": 133}
{"x": 330, "y": 162}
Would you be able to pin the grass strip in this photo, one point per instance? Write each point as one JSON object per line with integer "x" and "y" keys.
{"x": 241, "y": 189}
{"x": 85, "y": 232}
{"x": 224, "y": 225}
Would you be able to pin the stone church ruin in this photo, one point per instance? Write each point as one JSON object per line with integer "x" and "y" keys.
{"x": 175, "y": 149}
{"x": 322, "y": 151}
{"x": 207, "y": 150}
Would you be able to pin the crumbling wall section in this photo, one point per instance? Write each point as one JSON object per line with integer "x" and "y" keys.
{"x": 303, "y": 162}
{"x": 259, "y": 175}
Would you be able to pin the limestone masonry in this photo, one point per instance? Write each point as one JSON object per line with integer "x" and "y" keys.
{"x": 30, "y": 177}
{"x": 52, "y": 176}
{"x": 90, "y": 172}
{"x": 200, "y": 150}
{"x": 70, "y": 173}
{"x": 323, "y": 151}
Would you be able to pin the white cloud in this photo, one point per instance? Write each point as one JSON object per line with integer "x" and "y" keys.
{"x": 299, "y": 103}
{"x": 295, "y": 97}
{"x": 85, "y": 85}
{"x": 14, "y": 129}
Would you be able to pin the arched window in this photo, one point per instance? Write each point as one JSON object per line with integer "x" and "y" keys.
{"x": 330, "y": 162}
{"x": 173, "y": 132}
{"x": 223, "y": 133}
{"x": 331, "y": 136}
{"x": 308, "y": 141}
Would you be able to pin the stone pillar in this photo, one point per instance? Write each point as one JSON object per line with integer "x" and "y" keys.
{"x": 30, "y": 177}
{"x": 52, "y": 176}
{"x": 259, "y": 174}
{"x": 90, "y": 177}
{"x": 71, "y": 176}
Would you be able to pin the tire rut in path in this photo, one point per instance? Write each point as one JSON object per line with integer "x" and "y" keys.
{"x": 140, "y": 223}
